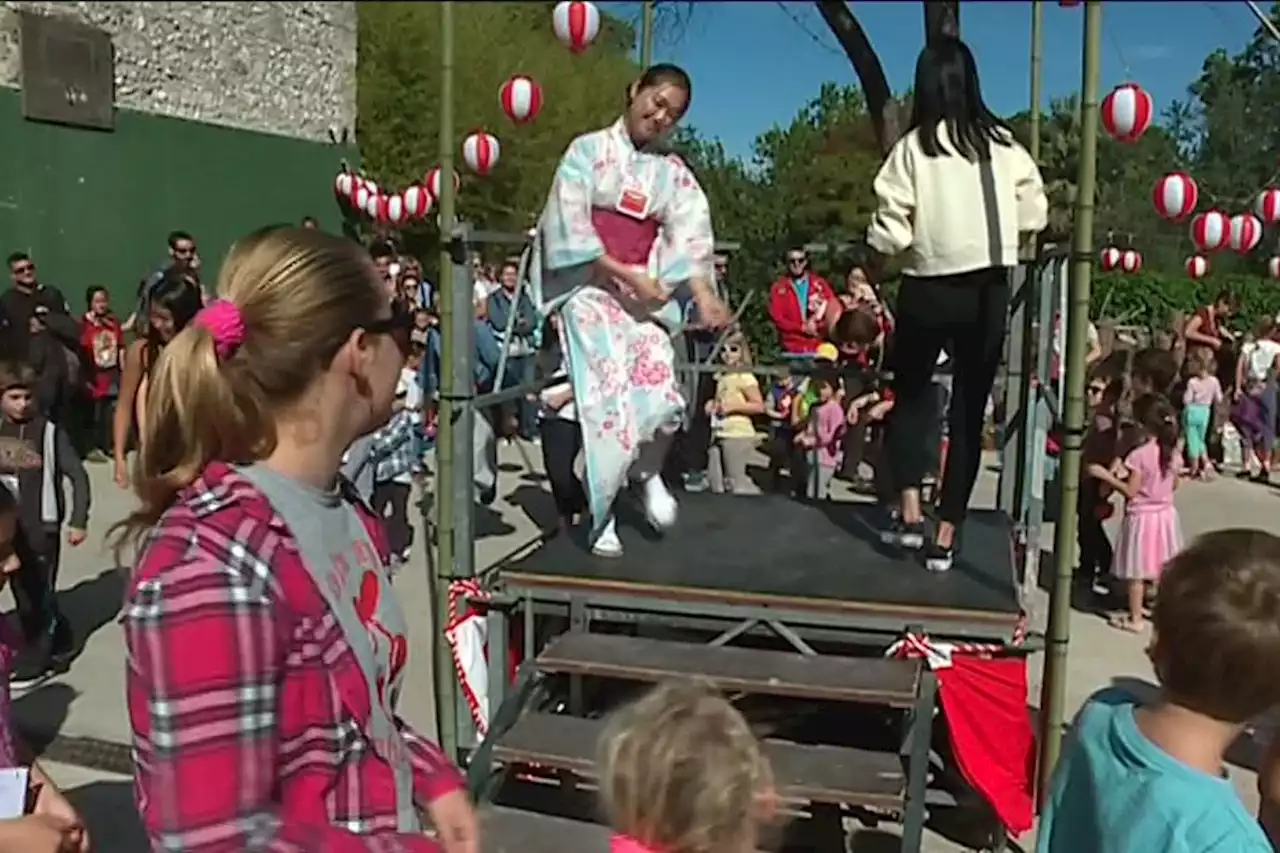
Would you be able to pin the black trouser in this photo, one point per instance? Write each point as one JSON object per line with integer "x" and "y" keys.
{"x": 561, "y": 441}
{"x": 96, "y": 426}
{"x": 390, "y": 501}
{"x": 857, "y": 381}
{"x": 36, "y": 581}
{"x": 1095, "y": 548}
{"x": 519, "y": 370}
{"x": 966, "y": 313}
{"x": 695, "y": 443}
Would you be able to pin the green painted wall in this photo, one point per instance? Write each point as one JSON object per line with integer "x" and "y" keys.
{"x": 95, "y": 208}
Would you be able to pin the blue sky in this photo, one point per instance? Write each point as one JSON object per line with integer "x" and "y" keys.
{"x": 754, "y": 64}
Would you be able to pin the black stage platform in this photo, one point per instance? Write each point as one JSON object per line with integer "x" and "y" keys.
{"x": 775, "y": 552}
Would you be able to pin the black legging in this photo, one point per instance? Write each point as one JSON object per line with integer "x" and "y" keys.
{"x": 966, "y": 313}
{"x": 561, "y": 442}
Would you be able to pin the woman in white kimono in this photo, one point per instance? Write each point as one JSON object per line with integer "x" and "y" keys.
{"x": 624, "y": 238}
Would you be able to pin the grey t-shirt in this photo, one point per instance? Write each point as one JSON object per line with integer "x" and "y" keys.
{"x": 328, "y": 519}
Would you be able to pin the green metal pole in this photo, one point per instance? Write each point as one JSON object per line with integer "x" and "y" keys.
{"x": 1037, "y": 72}
{"x": 646, "y": 34}
{"x": 1053, "y": 686}
{"x": 445, "y": 686}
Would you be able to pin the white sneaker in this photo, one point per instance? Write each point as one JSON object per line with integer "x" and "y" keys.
{"x": 659, "y": 505}
{"x": 608, "y": 544}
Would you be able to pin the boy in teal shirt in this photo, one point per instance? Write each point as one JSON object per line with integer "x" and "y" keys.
{"x": 1139, "y": 778}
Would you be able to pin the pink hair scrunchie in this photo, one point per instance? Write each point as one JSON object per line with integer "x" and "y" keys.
{"x": 222, "y": 320}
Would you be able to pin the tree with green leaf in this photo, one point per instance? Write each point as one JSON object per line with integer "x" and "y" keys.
{"x": 399, "y": 96}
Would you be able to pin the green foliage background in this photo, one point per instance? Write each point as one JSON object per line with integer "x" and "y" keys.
{"x": 808, "y": 181}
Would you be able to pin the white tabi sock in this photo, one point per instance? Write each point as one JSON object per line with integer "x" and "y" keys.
{"x": 659, "y": 504}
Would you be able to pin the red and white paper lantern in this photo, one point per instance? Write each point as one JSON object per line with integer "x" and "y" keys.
{"x": 1109, "y": 258}
{"x": 1246, "y": 233}
{"x": 375, "y": 206}
{"x": 1130, "y": 261}
{"x": 361, "y": 195}
{"x": 1210, "y": 231}
{"x": 1273, "y": 268}
{"x": 343, "y": 185}
{"x": 417, "y": 201}
{"x": 1174, "y": 196}
{"x": 521, "y": 98}
{"x": 1197, "y": 266}
{"x": 432, "y": 183}
{"x": 394, "y": 210}
{"x": 480, "y": 150}
{"x": 1126, "y": 112}
{"x": 1268, "y": 206}
{"x": 576, "y": 24}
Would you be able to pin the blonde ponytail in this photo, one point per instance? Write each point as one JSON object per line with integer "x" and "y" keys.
{"x": 299, "y": 294}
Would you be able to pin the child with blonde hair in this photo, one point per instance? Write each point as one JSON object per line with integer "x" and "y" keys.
{"x": 733, "y": 436}
{"x": 681, "y": 772}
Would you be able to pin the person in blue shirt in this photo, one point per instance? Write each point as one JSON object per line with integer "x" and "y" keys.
{"x": 1140, "y": 778}
{"x": 513, "y": 320}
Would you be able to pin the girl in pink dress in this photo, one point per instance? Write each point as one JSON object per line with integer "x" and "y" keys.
{"x": 1150, "y": 534}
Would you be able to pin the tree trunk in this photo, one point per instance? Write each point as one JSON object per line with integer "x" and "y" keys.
{"x": 941, "y": 17}
{"x": 866, "y": 64}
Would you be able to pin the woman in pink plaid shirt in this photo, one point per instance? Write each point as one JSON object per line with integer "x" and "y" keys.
{"x": 266, "y": 647}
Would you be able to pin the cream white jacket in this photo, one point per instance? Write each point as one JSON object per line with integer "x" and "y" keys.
{"x": 933, "y": 208}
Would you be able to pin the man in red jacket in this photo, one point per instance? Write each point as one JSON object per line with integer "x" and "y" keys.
{"x": 800, "y": 303}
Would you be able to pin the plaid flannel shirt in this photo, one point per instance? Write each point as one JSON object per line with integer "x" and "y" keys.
{"x": 397, "y": 447}
{"x": 249, "y": 710}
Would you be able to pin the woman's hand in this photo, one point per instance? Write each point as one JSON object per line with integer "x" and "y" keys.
{"x": 36, "y": 833}
{"x": 455, "y": 821}
{"x": 121, "y": 474}
{"x": 52, "y": 806}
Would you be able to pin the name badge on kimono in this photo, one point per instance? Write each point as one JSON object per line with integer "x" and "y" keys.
{"x": 634, "y": 199}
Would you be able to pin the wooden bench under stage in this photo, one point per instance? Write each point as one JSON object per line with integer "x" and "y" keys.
{"x": 504, "y": 830}
{"x": 874, "y": 681}
{"x": 821, "y": 774}
{"x": 776, "y": 552}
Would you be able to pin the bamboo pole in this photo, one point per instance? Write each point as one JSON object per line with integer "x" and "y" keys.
{"x": 646, "y": 34}
{"x": 445, "y": 686}
{"x": 1037, "y": 73}
{"x": 1053, "y": 686}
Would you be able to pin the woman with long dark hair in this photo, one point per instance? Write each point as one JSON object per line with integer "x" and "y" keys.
{"x": 955, "y": 195}
{"x": 173, "y": 302}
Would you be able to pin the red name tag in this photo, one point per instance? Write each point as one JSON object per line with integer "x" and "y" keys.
{"x": 633, "y": 203}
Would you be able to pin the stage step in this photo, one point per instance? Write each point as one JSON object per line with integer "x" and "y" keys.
{"x": 504, "y": 830}
{"x": 823, "y": 774}
{"x": 877, "y": 681}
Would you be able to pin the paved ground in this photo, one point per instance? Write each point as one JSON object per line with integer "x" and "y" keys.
{"x": 89, "y": 701}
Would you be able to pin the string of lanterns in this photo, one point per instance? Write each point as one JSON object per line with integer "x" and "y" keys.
{"x": 576, "y": 24}
{"x": 1126, "y": 114}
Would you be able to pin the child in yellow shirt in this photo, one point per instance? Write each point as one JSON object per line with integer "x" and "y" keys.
{"x": 733, "y": 435}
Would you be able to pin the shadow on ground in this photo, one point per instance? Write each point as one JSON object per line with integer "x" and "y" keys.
{"x": 91, "y": 604}
{"x": 109, "y": 812}
{"x": 40, "y": 713}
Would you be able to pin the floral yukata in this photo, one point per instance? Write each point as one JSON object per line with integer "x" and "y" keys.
{"x": 647, "y": 210}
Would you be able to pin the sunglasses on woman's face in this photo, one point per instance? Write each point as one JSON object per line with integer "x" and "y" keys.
{"x": 399, "y": 326}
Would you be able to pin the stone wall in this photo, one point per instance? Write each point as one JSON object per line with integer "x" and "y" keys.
{"x": 285, "y": 68}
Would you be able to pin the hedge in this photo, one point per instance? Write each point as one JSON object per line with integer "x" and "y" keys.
{"x": 1151, "y": 298}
